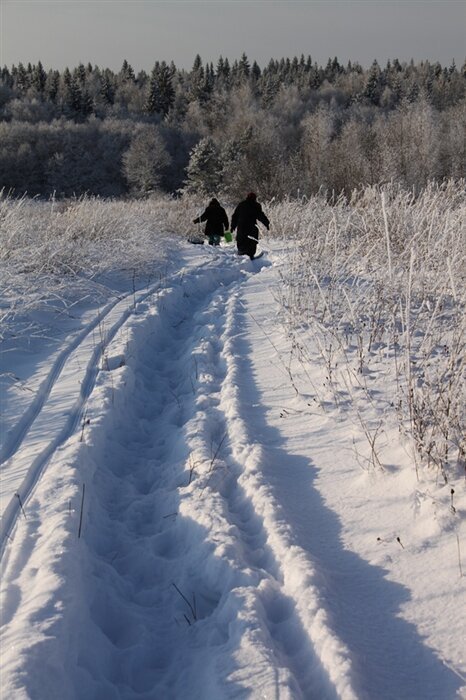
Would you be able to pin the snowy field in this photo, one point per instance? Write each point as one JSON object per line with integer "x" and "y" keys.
{"x": 225, "y": 478}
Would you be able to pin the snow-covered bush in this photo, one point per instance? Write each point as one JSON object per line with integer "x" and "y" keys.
{"x": 56, "y": 252}
{"x": 384, "y": 276}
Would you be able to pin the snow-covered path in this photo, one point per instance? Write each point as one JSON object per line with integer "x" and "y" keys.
{"x": 209, "y": 564}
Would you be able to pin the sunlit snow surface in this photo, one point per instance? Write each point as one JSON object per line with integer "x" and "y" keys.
{"x": 231, "y": 545}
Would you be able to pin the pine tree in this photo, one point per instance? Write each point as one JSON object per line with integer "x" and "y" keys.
{"x": 222, "y": 75}
{"x": 6, "y": 77}
{"x": 244, "y": 69}
{"x": 52, "y": 85}
{"x": 204, "y": 169}
{"x": 152, "y": 98}
{"x": 197, "y": 65}
{"x": 315, "y": 79}
{"x": 73, "y": 97}
{"x": 294, "y": 69}
{"x": 234, "y": 73}
{"x": 232, "y": 156}
{"x": 220, "y": 68}
{"x": 87, "y": 103}
{"x": 22, "y": 78}
{"x": 329, "y": 71}
{"x": 269, "y": 87}
{"x": 197, "y": 82}
{"x": 67, "y": 78}
{"x": 126, "y": 72}
{"x": 373, "y": 87}
{"x": 160, "y": 95}
{"x": 107, "y": 91}
{"x": 397, "y": 88}
{"x": 39, "y": 77}
{"x": 80, "y": 74}
{"x": 209, "y": 78}
{"x": 255, "y": 72}
{"x": 336, "y": 68}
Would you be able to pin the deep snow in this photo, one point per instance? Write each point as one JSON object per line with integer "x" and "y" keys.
{"x": 230, "y": 544}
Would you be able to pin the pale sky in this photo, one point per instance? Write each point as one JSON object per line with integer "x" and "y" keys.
{"x": 105, "y": 32}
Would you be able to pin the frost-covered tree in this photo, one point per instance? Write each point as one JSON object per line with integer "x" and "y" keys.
{"x": 255, "y": 72}
{"x": 145, "y": 160}
{"x": 73, "y": 97}
{"x": 152, "y": 100}
{"x": 452, "y": 142}
{"x": 222, "y": 76}
{"x": 373, "y": 89}
{"x": 160, "y": 95}
{"x": 244, "y": 68}
{"x": 409, "y": 141}
{"x": 39, "y": 77}
{"x": 87, "y": 103}
{"x": 126, "y": 73}
{"x": 80, "y": 74}
{"x": 52, "y": 85}
{"x": 204, "y": 171}
{"x": 317, "y": 135}
{"x": 197, "y": 88}
{"x": 166, "y": 91}
{"x": 22, "y": 78}
{"x": 107, "y": 90}
{"x": 402, "y": 122}
{"x": 354, "y": 157}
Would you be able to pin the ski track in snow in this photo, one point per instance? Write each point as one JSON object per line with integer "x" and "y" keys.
{"x": 205, "y": 570}
{"x": 16, "y": 436}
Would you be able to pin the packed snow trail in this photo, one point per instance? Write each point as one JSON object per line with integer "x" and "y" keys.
{"x": 209, "y": 566}
{"x": 21, "y": 460}
{"x": 200, "y": 536}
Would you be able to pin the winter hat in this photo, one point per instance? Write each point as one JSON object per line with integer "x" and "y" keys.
{"x": 251, "y": 195}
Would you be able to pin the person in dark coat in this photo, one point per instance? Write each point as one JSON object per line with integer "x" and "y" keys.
{"x": 217, "y": 221}
{"x": 244, "y": 219}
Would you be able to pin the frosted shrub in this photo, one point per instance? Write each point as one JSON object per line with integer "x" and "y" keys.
{"x": 383, "y": 275}
{"x": 58, "y": 251}
{"x": 88, "y": 234}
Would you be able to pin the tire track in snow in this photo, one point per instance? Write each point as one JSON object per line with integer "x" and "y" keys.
{"x": 296, "y": 617}
{"x": 350, "y": 611}
{"x": 168, "y": 511}
{"x": 119, "y": 523}
{"x": 298, "y": 578}
{"x": 17, "y": 433}
{"x": 140, "y": 540}
{"x": 191, "y": 551}
{"x": 16, "y": 438}
{"x": 265, "y": 613}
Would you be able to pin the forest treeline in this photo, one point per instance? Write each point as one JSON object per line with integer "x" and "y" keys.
{"x": 290, "y": 129}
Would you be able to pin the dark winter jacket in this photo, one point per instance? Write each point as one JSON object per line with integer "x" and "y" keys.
{"x": 245, "y": 216}
{"x": 216, "y": 218}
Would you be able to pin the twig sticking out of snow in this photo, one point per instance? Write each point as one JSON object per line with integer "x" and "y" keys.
{"x": 81, "y": 512}
{"x": 192, "y": 607}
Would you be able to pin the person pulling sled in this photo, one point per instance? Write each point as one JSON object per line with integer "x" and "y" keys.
{"x": 244, "y": 219}
{"x": 216, "y": 220}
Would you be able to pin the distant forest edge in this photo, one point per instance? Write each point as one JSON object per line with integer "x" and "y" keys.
{"x": 290, "y": 129}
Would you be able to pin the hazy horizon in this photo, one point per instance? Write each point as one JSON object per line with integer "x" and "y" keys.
{"x": 62, "y": 33}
